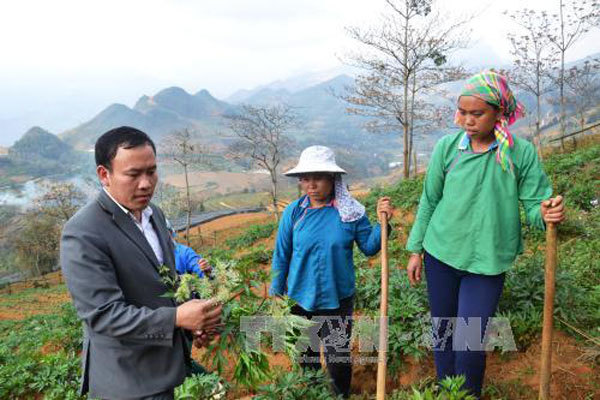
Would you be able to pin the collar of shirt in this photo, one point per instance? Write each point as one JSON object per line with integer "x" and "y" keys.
{"x": 465, "y": 142}
{"x": 145, "y": 226}
{"x": 146, "y": 212}
{"x": 306, "y": 202}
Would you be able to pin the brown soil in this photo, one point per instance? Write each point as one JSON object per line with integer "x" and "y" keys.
{"x": 235, "y": 221}
{"x": 33, "y": 305}
{"x": 50, "y": 347}
{"x": 517, "y": 374}
{"x": 572, "y": 377}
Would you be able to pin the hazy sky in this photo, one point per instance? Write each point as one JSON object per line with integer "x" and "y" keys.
{"x": 63, "y": 61}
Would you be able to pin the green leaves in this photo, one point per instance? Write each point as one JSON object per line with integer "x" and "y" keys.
{"x": 575, "y": 176}
{"x": 252, "y": 368}
{"x": 297, "y": 385}
{"x": 405, "y": 194}
{"x": 251, "y": 235}
{"x": 206, "y": 386}
{"x": 408, "y": 312}
{"x": 227, "y": 282}
{"x": 40, "y": 355}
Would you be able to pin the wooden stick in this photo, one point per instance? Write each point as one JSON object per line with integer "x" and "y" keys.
{"x": 582, "y": 333}
{"x": 383, "y": 309}
{"x": 546, "y": 370}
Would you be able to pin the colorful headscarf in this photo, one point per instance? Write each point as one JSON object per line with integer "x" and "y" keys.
{"x": 492, "y": 88}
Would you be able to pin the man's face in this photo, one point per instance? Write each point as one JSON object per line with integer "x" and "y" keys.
{"x": 132, "y": 178}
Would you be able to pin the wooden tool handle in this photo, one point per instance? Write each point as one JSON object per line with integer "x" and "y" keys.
{"x": 383, "y": 310}
{"x": 551, "y": 257}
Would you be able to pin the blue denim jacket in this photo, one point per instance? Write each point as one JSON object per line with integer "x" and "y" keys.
{"x": 312, "y": 261}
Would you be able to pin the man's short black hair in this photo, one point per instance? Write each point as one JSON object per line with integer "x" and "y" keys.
{"x": 126, "y": 137}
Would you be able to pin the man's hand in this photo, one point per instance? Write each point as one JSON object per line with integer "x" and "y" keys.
{"x": 201, "y": 340}
{"x": 415, "y": 264}
{"x": 553, "y": 210}
{"x": 196, "y": 315}
{"x": 203, "y": 337}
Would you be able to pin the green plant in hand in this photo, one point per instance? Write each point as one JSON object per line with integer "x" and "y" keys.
{"x": 233, "y": 287}
{"x": 227, "y": 283}
{"x": 252, "y": 367}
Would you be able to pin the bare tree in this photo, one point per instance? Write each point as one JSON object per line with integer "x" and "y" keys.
{"x": 429, "y": 117}
{"x": 378, "y": 96}
{"x": 375, "y": 96}
{"x": 426, "y": 115}
{"x": 174, "y": 202}
{"x": 261, "y": 133}
{"x": 36, "y": 242}
{"x": 533, "y": 60}
{"x": 181, "y": 147}
{"x": 574, "y": 19}
{"x": 583, "y": 88}
{"x": 411, "y": 39}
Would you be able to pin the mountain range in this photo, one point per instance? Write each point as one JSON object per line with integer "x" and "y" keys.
{"x": 322, "y": 120}
{"x": 168, "y": 110}
{"x": 323, "y": 116}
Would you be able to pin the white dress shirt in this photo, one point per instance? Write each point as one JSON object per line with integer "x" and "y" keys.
{"x": 145, "y": 226}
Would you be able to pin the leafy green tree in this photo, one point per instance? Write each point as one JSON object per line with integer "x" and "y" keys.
{"x": 36, "y": 246}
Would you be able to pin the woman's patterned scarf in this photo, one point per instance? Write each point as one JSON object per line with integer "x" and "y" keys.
{"x": 349, "y": 208}
{"x": 492, "y": 88}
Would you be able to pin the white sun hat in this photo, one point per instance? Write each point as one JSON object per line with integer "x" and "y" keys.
{"x": 316, "y": 159}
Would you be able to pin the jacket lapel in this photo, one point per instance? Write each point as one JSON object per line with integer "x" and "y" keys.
{"x": 126, "y": 224}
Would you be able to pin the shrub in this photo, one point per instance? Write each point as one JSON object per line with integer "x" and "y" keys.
{"x": 297, "y": 385}
{"x": 251, "y": 235}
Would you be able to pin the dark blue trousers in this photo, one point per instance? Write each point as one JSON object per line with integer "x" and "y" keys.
{"x": 461, "y": 303}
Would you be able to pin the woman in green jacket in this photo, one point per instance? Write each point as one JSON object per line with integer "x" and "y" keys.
{"x": 467, "y": 230}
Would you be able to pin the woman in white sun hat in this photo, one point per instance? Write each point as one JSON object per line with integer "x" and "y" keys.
{"x": 313, "y": 263}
